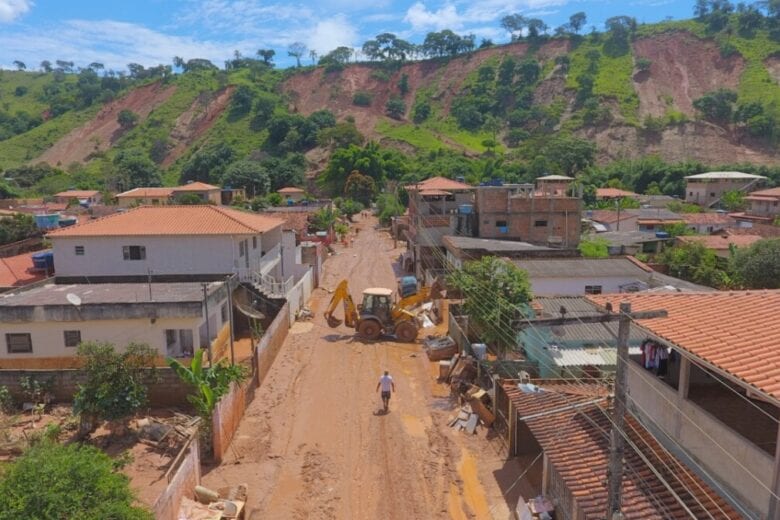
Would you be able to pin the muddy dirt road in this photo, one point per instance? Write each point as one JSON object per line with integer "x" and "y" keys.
{"x": 313, "y": 444}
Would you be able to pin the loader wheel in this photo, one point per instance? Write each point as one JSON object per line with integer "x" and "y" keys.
{"x": 406, "y": 331}
{"x": 369, "y": 329}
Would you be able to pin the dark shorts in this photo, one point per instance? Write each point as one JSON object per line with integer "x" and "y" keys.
{"x": 385, "y": 395}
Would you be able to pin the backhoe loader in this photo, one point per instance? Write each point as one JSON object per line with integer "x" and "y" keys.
{"x": 378, "y": 313}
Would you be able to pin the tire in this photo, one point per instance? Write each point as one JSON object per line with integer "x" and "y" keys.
{"x": 369, "y": 329}
{"x": 406, "y": 331}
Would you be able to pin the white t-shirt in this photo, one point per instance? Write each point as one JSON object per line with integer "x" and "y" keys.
{"x": 386, "y": 383}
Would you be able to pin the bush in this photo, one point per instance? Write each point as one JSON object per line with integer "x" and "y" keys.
{"x": 362, "y": 99}
{"x": 52, "y": 482}
{"x": 727, "y": 49}
{"x": 421, "y": 111}
{"x": 654, "y": 124}
{"x": 127, "y": 119}
{"x": 6, "y": 400}
{"x": 380, "y": 75}
{"x": 20, "y": 91}
{"x": 395, "y": 108}
{"x": 643, "y": 64}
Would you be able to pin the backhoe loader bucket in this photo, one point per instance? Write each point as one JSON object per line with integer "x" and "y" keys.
{"x": 333, "y": 322}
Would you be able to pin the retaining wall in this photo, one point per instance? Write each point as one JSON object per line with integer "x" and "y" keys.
{"x": 181, "y": 483}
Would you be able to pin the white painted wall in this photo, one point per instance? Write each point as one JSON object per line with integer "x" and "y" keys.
{"x": 576, "y": 286}
{"x": 48, "y": 338}
{"x": 174, "y": 255}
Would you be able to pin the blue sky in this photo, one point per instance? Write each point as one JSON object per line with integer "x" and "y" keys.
{"x": 117, "y": 32}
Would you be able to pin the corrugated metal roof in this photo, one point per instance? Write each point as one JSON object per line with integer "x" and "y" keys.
{"x": 724, "y": 175}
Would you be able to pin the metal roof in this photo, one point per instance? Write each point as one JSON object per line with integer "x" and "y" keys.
{"x": 725, "y": 175}
{"x": 107, "y": 293}
{"x": 487, "y": 244}
{"x": 580, "y": 267}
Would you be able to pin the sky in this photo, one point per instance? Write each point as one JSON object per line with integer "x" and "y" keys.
{"x": 150, "y": 32}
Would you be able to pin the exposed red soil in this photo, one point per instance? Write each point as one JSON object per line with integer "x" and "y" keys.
{"x": 196, "y": 121}
{"x": 772, "y": 65}
{"x": 699, "y": 140}
{"x": 683, "y": 68}
{"x": 314, "y": 90}
{"x": 103, "y": 130}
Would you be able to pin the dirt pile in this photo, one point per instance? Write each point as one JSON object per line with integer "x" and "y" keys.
{"x": 682, "y": 68}
{"x": 101, "y": 132}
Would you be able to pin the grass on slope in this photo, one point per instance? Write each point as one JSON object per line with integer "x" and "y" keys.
{"x": 613, "y": 78}
{"x": 34, "y": 83}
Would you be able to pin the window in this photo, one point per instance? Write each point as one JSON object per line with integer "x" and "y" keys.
{"x": 79, "y": 250}
{"x": 224, "y": 312}
{"x": 254, "y": 242}
{"x": 592, "y": 289}
{"x": 134, "y": 252}
{"x": 712, "y": 194}
{"x": 72, "y": 338}
{"x": 500, "y": 223}
{"x": 18, "y": 343}
{"x": 690, "y": 194}
{"x": 241, "y": 251}
{"x": 170, "y": 337}
{"x": 540, "y": 223}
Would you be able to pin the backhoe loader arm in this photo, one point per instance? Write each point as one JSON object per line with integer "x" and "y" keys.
{"x": 341, "y": 294}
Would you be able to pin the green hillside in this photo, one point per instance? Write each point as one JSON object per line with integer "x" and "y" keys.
{"x": 592, "y": 106}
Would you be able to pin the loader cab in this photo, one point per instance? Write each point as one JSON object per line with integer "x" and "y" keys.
{"x": 377, "y": 301}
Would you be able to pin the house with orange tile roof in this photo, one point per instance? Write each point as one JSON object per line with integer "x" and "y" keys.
{"x": 721, "y": 244}
{"x": 566, "y": 428}
{"x": 709, "y": 222}
{"x": 85, "y": 197}
{"x": 155, "y": 196}
{"x": 763, "y": 207}
{"x": 717, "y": 399}
{"x": 292, "y": 194}
{"x": 18, "y": 271}
{"x": 614, "y": 193}
{"x": 170, "y": 243}
{"x": 207, "y": 193}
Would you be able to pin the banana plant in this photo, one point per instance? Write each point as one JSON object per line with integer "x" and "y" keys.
{"x": 198, "y": 377}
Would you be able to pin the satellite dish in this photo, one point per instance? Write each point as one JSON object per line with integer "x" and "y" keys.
{"x": 73, "y": 298}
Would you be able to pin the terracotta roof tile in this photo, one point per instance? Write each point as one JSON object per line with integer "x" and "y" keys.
{"x": 610, "y": 216}
{"x": 613, "y": 193}
{"x": 16, "y": 271}
{"x": 293, "y": 221}
{"x": 439, "y": 183}
{"x": 735, "y": 331}
{"x": 573, "y": 431}
{"x": 721, "y": 243}
{"x": 173, "y": 220}
{"x": 291, "y": 189}
{"x": 707, "y": 218}
{"x": 771, "y": 192}
{"x": 196, "y": 186}
{"x": 77, "y": 194}
{"x": 146, "y": 193}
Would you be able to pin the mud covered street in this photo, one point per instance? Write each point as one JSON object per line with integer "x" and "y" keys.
{"x": 313, "y": 443}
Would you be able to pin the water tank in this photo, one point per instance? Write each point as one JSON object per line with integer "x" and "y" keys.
{"x": 465, "y": 209}
{"x": 503, "y": 229}
{"x": 43, "y": 260}
{"x": 662, "y": 234}
{"x": 68, "y": 221}
{"x": 47, "y": 221}
{"x": 480, "y": 350}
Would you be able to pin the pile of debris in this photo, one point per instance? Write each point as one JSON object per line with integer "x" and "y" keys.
{"x": 475, "y": 411}
{"x": 166, "y": 432}
{"x": 214, "y": 505}
{"x": 439, "y": 349}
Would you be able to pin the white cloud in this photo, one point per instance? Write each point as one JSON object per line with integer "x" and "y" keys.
{"x": 331, "y": 33}
{"x": 422, "y": 19}
{"x": 10, "y": 10}
{"x": 110, "y": 42}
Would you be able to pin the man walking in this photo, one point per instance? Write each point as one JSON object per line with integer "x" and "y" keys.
{"x": 387, "y": 385}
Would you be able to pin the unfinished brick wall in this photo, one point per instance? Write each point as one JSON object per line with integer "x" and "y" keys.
{"x": 182, "y": 483}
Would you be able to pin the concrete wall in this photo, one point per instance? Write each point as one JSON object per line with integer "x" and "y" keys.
{"x": 182, "y": 483}
{"x": 164, "y": 255}
{"x": 227, "y": 416}
{"x": 272, "y": 341}
{"x": 722, "y": 451}
{"x": 48, "y": 336}
{"x": 300, "y": 294}
{"x": 165, "y": 388}
{"x": 576, "y": 286}
{"x": 129, "y": 202}
{"x": 705, "y": 193}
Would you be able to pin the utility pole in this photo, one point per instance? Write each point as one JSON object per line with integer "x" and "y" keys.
{"x": 617, "y": 444}
{"x": 149, "y": 282}
{"x": 208, "y": 327}
{"x": 616, "y": 441}
{"x": 230, "y": 318}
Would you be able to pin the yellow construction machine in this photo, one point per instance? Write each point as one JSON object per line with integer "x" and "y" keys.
{"x": 379, "y": 313}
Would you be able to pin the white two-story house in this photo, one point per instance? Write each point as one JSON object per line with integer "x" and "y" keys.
{"x": 170, "y": 244}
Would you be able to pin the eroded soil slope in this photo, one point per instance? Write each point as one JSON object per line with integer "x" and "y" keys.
{"x": 103, "y": 130}
{"x": 683, "y": 68}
